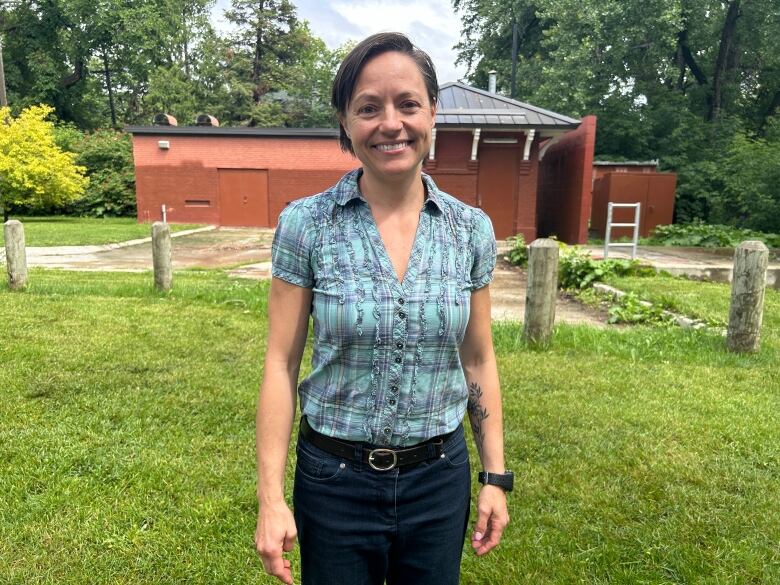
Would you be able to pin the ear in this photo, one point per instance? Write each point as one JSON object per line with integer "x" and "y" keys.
{"x": 433, "y": 115}
{"x": 342, "y": 122}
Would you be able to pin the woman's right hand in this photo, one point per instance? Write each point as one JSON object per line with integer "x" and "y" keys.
{"x": 275, "y": 534}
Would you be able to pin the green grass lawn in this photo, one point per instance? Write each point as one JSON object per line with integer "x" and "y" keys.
{"x": 84, "y": 231}
{"x": 643, "y": 455}
{"x": 703, "y": 300}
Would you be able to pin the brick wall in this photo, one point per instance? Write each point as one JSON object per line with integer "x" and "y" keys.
{"x": 565, "y": 180}
{"x": 185, "y": 177}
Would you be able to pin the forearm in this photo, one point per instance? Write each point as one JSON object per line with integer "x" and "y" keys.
{"x": 485, "y": 413}
{"x": 275, "y": 413}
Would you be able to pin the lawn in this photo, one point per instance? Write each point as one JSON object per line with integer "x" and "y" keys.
{"x": 643, "y": 455}
{"x": 85, "y": 231}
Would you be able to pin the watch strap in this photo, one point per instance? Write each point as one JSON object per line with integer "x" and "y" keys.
{"x": 505, "y": 480}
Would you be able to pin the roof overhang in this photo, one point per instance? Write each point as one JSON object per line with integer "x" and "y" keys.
{"x": 329, "y": 133}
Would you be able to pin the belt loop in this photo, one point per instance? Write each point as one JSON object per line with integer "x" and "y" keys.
{"x": 357, "y": 464}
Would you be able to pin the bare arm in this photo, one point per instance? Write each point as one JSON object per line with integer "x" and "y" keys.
{"x": 485, "y": 416}
{"x": 288, "y": 313}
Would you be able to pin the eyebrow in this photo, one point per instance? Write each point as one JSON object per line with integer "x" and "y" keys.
{"x": 370, "y": 95}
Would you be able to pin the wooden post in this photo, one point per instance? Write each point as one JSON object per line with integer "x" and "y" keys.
{"x": 15, "y": 254}
{"x": 542, "y": 291}
{"x": 747, "y": 296}
{"x": 161, "y": 256}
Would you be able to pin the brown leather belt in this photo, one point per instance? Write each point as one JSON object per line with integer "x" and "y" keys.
{"x": 380, "y": 458}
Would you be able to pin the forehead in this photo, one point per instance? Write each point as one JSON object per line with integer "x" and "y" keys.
{"x": 389, "y": 72}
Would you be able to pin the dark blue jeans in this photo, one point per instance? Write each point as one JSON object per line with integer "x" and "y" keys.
{"x": 358, "y": 526}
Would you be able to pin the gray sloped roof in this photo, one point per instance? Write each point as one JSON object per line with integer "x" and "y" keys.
{"x": 463, "y": 105}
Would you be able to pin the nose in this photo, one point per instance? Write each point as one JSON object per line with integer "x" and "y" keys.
{"x": 391, "y": 120}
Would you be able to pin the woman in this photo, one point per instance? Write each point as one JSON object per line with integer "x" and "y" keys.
{"x": 395, "y": 275}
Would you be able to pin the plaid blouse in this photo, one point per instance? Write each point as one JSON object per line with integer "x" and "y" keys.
{"x": 385, "y": 365}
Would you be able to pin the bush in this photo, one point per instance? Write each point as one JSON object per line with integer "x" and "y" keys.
{"x": 699, "y": 234}
{"x": 108, "y": 157}
{"x": 518, "y": 254}
{"x": 578, "y": 270}
{"x": 751, "y": 178}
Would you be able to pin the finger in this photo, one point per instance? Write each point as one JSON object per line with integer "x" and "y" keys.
{"x": 280, "y": 568}
{"x": 289, "y": 541}
{"x": 480, "y": 527}
{"x": 489, "y": 542}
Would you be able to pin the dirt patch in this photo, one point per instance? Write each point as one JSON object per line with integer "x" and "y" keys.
{"x": 507, "y": 293}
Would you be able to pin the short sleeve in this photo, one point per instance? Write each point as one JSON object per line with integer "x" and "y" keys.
{"x": 483, "y": 242}
{"x": 292, "y": 246}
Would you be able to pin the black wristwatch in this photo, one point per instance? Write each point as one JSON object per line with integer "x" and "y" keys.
{"x": 506, "y": 481}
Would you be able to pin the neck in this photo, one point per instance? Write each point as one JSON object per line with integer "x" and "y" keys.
{"x": 408, "y": 190}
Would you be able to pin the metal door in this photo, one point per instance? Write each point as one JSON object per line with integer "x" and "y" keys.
{"x": 497, "y": 187}
{"x": 243, "y": 197}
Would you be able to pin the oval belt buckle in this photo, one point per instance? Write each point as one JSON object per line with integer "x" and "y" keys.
{"x": 374, "y": 452}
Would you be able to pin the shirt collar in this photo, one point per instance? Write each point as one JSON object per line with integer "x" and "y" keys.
{"x": 348, "y": 189}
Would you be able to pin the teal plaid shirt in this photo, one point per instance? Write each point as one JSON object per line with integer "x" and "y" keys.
{"x": 385, "y": 365}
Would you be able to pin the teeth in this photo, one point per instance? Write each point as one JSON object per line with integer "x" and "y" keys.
{"x": 397, "y": 146}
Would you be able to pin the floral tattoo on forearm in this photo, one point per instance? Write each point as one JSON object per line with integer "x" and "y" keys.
{"x": 477, "y": 415}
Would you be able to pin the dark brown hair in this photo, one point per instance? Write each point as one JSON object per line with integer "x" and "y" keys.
{"x": 364, "y": 51}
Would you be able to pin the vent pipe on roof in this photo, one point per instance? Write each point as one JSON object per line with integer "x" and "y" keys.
{"x": 164, "y": 120}
{"x": 206, "y": 120}
{"x": 492, "y": 81}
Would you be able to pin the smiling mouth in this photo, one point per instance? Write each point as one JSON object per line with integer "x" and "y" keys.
{"x": 394, "y": 146}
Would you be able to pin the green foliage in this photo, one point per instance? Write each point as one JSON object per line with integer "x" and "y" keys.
{"x": 693, "y": 84}
{"x": 113, "y": 62}
{"x": 699, "y": 234}
{"x": 751, "y": 183}
{"x": 578, "y": 270}
{"x": 631, "y": 310}
{"x": 107, "y": 156}
{"x": 518, "y": 253}
{"x": 34, "y": 171}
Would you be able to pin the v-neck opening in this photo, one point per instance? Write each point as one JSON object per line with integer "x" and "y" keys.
{"x": 412, "y": 262}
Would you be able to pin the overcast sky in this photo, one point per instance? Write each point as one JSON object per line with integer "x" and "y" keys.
{"x": 431, "y": 24}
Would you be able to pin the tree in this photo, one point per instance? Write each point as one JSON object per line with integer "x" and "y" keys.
{"x": 673, "y": 80}
{"x": 34, "y": 171}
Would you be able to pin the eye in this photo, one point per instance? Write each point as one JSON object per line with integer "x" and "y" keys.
{"x": 410, "y": 105}
{"x": 366, "y": 109}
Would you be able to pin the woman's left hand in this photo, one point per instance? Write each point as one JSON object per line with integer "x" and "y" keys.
{"x": 492, "y": 518}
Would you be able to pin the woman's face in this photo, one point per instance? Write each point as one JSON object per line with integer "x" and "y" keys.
{"x": 389, "y": 117}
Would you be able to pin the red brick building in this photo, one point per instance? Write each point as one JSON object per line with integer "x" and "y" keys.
{"x": 487, "y": 150}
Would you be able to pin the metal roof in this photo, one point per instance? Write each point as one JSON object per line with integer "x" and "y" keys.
{"x": 462, "y": 105}
{"x": 227, "y": 131}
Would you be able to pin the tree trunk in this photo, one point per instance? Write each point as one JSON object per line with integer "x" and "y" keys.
{"x": 3, "y": 98}
{"x": 725, "y": 58}
{"x": 687, "y": 57}
{"x": 257, "y": 61}
{"x": 186, "y": 46}
{"x": 110, "y": 90}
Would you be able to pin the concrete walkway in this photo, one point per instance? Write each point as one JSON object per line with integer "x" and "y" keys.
{"x": 715, "y": 264}
{"x": 248, "y": 251}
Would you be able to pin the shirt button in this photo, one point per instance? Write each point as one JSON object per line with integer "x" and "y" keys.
{"x": 394, "y": 388}
{"x": 387, "y": 430}
{"x": 399, "y": 345}
{"x": 392, "y": 401}
{"x": 398, "y": 360}
{"x": 401, "y": 314}
{"x": 401, "y": 301}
